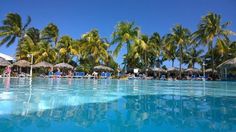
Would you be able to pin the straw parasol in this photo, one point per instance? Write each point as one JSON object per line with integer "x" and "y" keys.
{"x": 231, "y": 63}
{"x": 64, "y": 65}
{"x": 4, "y": 62}
{"x": 102, "y": 68}
{"x": 158, "y": 70}
{"x": 192, "y": 70}
{"x": 173, "y": 69}
{"x": 209, "y": 70}
{"x": 43, "y": 64}
{"x": 22, "y": 63}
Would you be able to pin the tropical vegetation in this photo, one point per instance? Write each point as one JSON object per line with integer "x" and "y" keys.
{"x": 143, "y": 51}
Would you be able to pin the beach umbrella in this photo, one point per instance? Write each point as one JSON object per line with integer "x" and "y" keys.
{"x": 102, "y": 68}
{"x": 4, "y": 62}
{"x": 64, "y": 65}
{"x": 158, "y": 70}
{"x": 231, "y": 63}
{"x": 194, "y": 70}
{"x": 209, "y": 70}
{"x": 173, "y": 69}
{"x": 22, "y": 63}
{"x": 43, "y": 64}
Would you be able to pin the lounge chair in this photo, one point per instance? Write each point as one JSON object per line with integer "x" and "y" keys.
{"x": 23, "y": 75}
{"x": 163, "y": 77}
{"x": 132, "y": 77}
{"x": 79, "y": 74}
{"x": 108, "y": 75}
{"x": 88, "y": 76}
{"x": 50, "y": 74}
{"x": 58, "y": 74}
{"x": 103, "y": 75}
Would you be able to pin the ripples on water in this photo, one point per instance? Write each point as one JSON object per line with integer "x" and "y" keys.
{"x": 116, "y": 105}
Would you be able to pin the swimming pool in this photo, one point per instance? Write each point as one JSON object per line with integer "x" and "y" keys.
{"x": 116, "y": 105}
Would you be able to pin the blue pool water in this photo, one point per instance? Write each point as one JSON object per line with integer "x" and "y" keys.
{"x": 116, "y": 105}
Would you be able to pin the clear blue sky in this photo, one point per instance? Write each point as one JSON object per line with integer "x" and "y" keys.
{"x": 76, "y": 17}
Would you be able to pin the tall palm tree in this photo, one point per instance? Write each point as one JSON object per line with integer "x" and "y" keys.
{"x": 13, "y": 28}
{"x": 155, "y": 46}
{"x": 138, "y": 52}
{"x": 169, "y": 49}
{"x": 144, "y": 51}
{"x": 50, "y": 33}
{"x": 210, "y": 29}
{"x": 45, "y": 52}
{"x": 67, "y": 48}
{"x": 94, "y": 47}
{"x": 181, "y": 37}
{"x": 125, "y": 33}
{"x": 28, "y": 44}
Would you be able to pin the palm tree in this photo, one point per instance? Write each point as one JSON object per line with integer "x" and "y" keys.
{"x": 32, "y": 44}
{"x": 94, "y": 47}
{"x": 180, "y": 36}
{"x": 28, "y": 44}
{"x": 155, "y": 46}
{"x": 232, "y": 49}
{"x": 67, "y": 48}
{"x": 138, "y": 52}
{"x": 45, "y": 52}
{"x": 210, "y": 29}
{"x": 193, "y": 56}
{"x": 51, "y": 33}
{"x": 125, "y": 33}
{"x": 144, "y": 51}
{"x": 169, "y": 49}
{"x": 13, "y": 28}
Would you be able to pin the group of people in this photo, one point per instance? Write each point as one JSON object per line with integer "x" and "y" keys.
{"x": 70, "y": 74}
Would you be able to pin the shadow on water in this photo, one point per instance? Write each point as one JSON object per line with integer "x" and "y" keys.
{"x": 132, "y": 113}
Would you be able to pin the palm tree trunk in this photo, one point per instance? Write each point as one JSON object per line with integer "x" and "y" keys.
{"x": 128, "y": 49}
{"x": 145, "y": 64}
{"x": 212, "y": 58}
{"x": 173, "y": 61}
{"x": 180, "y": 64}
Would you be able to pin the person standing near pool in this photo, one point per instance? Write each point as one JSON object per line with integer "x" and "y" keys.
{"x": 95, "y": 74}
{"x": 8, "y": 71}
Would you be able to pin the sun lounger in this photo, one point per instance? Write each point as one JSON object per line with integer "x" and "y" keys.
{"x": 79, "y": 75}
{"x": 108, "y": 75}
{"x": 163, "y": 77}
{"x": 103, "y": 75}
{"x": 50, "y": 74}
{"x": 89, "y": 76}
{"x": 58, "y": 74}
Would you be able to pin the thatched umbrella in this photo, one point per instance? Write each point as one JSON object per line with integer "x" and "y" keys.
{"x": 22, "y": 63}
{"x": 173, "y": 69}
{"x": 194, "y": 70}
{"x": 231, "y": 63}
{"x": 43, "y": 64}
{"x": 158, "y": 70}
{"x": 210, "y": 70}
{"x": 4, "y": 62}
{"x": 64, "y": 65}
{"x": 102, "y": 68}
